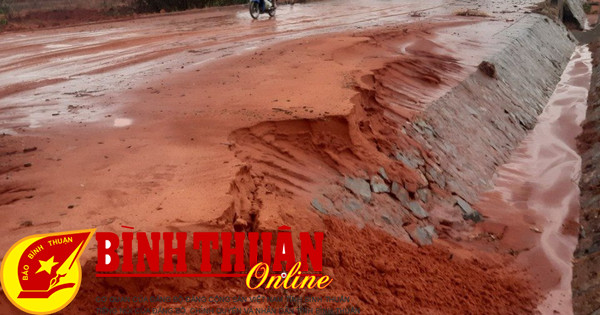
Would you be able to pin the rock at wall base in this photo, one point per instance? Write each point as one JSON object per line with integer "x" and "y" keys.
{"x": 359, "y": 187}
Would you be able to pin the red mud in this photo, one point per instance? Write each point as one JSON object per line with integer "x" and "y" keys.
{"x": 296, "y": 159}
{"x": 388, "y": 275}
{"x": 379, "y": 273}
{"x": 62, "y": 18}
{"x": 240, "y": 144}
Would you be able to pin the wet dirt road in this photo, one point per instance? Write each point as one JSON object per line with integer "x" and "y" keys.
{"x": 41, "y": 72}
{"x": 108, "y": 58}
{"x": 131, "y": 119}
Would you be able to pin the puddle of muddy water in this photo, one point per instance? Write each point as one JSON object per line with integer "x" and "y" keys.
{"x": 538, "y": 188}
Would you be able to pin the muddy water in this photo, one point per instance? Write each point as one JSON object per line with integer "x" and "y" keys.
{"x": 536, "y": 194}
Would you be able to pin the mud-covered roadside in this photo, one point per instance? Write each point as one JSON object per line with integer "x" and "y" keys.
{"x": 586, "y": 267}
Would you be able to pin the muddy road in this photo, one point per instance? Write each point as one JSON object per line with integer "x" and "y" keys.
{"x": 89, "y": 60}
{"x": 207, "y": 120}
{"x": 65, "y": 90}
{"x": 118, "y": 55}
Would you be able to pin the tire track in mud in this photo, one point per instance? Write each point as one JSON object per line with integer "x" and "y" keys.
{"x": 17, "y": 191}
{"x": 85, "y": 50}
{"x": 26, "y": 86}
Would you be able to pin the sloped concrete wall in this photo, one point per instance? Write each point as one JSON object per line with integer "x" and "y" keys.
{"x": 483, "y": 119}
{"x": 574, "y": 8}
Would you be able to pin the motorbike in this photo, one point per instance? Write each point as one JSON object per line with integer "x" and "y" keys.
{"x": 258, "y": 7}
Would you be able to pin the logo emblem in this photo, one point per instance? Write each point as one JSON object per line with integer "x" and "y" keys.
{"x": 41, "y": 274}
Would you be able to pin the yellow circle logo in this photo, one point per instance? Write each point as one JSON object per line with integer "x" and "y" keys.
{"x": 41, "y": 274}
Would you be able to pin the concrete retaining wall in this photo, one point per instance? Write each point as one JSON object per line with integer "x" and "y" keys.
{"x": 480, "y": 122}
{"x": 569, "y": 9}
{"x": 576, "y": 9}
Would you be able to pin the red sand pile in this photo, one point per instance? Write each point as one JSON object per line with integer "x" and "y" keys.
{"x": 379, "y": 273}
{"x": 389, "y": 275}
